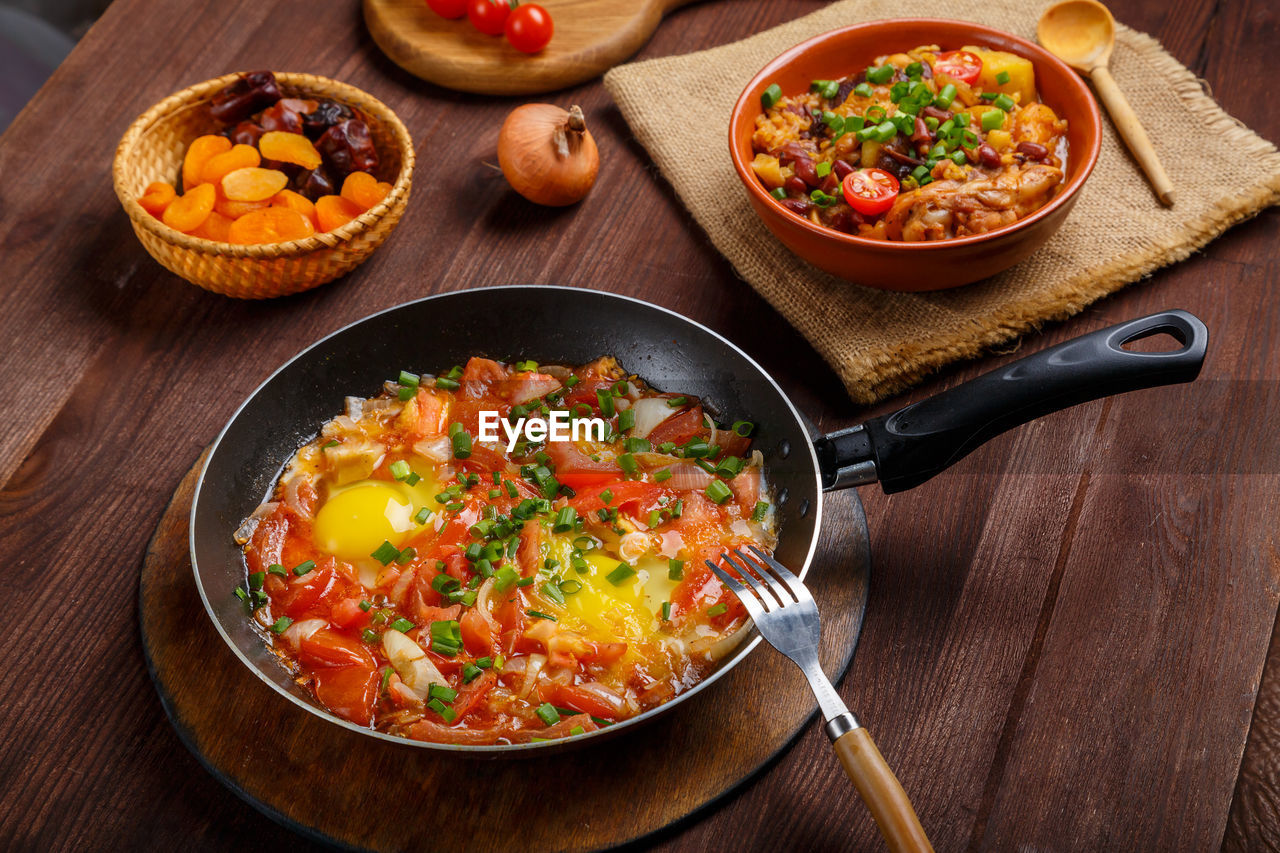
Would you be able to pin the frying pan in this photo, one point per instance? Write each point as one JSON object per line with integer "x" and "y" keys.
{"x": 574, "y": 326}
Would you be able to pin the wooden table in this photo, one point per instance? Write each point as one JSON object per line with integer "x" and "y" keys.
{"x": 1066, "y": 634}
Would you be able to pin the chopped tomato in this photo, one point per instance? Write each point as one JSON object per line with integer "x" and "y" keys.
{"x": 680, "y": 428}
{"x": 870, "y": 191}
{"x": 732, "y": 444}
{"x": 311, "y": 591}
{"x": 623, "y": 493}
{"x": 469, "y": 695}
{"x": 603, "y": 652}
{"x": 477, "y": 635}
{"x": 348, "y": 691}
{"x": 576, "y": 469}
{"x": 959, "y": 65}
{"x": 585, "y": 392}
{"x": 328, "y": 647}
{"x": 267, "y": 542}
{"x": 598, "y": 700}
{"x": 347, "y": 613}
{"x": 431, "y": 416}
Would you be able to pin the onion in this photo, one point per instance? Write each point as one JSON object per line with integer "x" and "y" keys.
{"x": 292, "y": 499}
{"x": 245, "y": 531}
{"x": 438, "y": 448}
{"x": 484, "y": 605}
{"x": 301, "y": 630}
{"x": 547, "y": 154}
{"x": 687, "y": 477}
{"x": 634, "y": 546}
{"x": 355, "y": 407}
{"x": 650, "y": 411}
{"x": 672, "y": 542}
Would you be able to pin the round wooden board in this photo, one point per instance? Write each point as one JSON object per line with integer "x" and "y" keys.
{"x": 348, "y": 789}
{"x": 591, "y": 36}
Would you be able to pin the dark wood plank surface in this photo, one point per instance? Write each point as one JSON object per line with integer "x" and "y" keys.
{"x": 1065, "y": 636}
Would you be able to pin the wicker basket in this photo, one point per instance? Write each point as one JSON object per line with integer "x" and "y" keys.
{"x": 153, "y": 148}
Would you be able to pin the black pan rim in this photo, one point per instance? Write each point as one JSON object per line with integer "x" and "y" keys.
{"x": 745, "y": 647}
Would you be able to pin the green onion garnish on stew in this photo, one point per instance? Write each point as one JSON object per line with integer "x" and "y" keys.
{"x": 1004, "y": 102}
{"x": 823, "y": 169}
{"x": 730, "y": 466}
{"x": 717, "y": 610}
{"x": 406, "y": 555}
{"x": 256, "y": 579}
{"x": 548, "y": 714}
{"x": 241, "y": 594}
{"x": 666, "y": 611}
{"x": 446, "y": 637}
{"x": 552, "y": 591}
{"x": 386, "y": 677}
{"x": 945, "y": 96}
{"x": 760, "y": 511}
{"x": 470, "y": 673}
{"x": 570, "y": 586}
{"x": 883, "y": 74}
{"x": 743, "y": 428}
{"x": 915, "y": 69}
{"x": 565, "y": 520}
{"x": 444, "y": 694}
{"x": 620, "y": 574}
{"x": 281, "y": 625}
{"x": 627, "y": 417}
{"x": 402, "y": 625}
{"x": 484, "y": 662}
{"x": 662, "y": 475}
{"x": 538, "y": 614}
{"x": 605, "y": 400}
{"x": 384, "y": 553}
{"x": 307, "y": 565}
{"x": 675, "y": 569}
{"x": 503, "y": 578}
{"x": 770, "y": 96}
{"x": 577, "y": 730}
{"x": 333, "y": 442}
{"x": 677, "y": 402}
{"x": 863, "y": 90}
{"x": 446, "y": 383}
{"x": 400, "y": 469}
{"x": 628, "y": 463}
{"x": 366, "y": 605}
{"x": 461, "y": 444}
{"x": 444, "y": 584}
{"x": 606, "y": 496}
{"x": 369, "y": 635}
{"x": 523, "y": 582}
{"x": 406, "y": 394}
{"x": 277, "y": 569}
{"x": 408, "y": 379}
{"x": 1002, "y": 77}
{"x": 719, "y": 492}
{"x": 993, "y": 119}
{"x": 779, "y": 193}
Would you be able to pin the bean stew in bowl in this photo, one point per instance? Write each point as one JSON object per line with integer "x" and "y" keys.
{"x": 914, "y": 155}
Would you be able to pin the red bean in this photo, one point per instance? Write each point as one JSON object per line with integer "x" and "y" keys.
{"x": 933, "y": 112}
{"x": 806, "y": 171}
{"x": 829, "y": 183}
{"x": 1034, "y": 150}
{"x": 841, "y": 169}
{"x": 796, "y": 205}
{"x": 988, "y": 156}
{"x": 796, "y": 186}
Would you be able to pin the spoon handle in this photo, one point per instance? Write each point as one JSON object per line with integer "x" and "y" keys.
{"x": 1131, "y": 130}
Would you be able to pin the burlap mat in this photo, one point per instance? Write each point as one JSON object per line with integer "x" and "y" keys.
{"x": 881, "y": 342}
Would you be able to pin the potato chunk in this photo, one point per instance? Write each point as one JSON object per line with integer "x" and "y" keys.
{"x": 1022, "y": 76}
{"x": 767, "y": 170}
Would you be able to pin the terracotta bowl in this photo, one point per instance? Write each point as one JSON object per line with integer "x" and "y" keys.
{"x": 915, "y": 266}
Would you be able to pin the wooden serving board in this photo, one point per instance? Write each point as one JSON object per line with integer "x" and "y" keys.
{"x": 342, "y": 787}
{"x": 591, "y": 36}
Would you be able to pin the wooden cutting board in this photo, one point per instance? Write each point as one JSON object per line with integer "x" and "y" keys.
{"x": 591, "y": 36}
{"x": 342, "y": 787}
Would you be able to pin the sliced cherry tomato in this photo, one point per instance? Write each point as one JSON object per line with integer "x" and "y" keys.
{"x": 959, "y": 65}
{"x": 489, "y": 17}
{"x": 870, "y": 191}
{"x": 448, "y": 8}
{"x": 529, "y": 28}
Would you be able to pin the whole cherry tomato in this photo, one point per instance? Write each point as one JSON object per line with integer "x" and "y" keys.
{"x": 448, "y": 8}
{"x": 529, "y": 28}
{"x": 870, "y": 191}
{"x": 959, "y": 65}
{"x": 488, "y": 16}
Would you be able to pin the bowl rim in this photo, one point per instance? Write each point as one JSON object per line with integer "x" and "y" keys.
{"x": 196, "y": 94}
{"x": 1036, "y": 53}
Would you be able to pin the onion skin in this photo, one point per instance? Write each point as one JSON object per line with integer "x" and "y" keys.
{"x": 547, "y": 154}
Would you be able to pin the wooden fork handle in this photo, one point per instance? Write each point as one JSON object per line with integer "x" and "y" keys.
{"x": 1131, "y": 130}
{"x": 881, "y": 792}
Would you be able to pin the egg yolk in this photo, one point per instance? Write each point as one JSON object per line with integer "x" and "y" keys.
{"x": 357, "y": 519}
{"x": 627, "y": 610}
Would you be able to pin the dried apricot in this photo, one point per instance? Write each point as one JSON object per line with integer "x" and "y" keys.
{"x": 221, "y": 165}
{"x": 253, "y": 184}
{"x": 270, "y": 225}
{"x": 289, "y": 148}
{"x": 334, "y": 211}
{"x": 199, "y": 152}
{"x": 295, "y": 201}
{"x": 236, "y": 209}
{"x": 363, "y": 189}
{"x": 216, "y": 227}
{"x": 188, "y": 211}
{"x": 157, "y": 197}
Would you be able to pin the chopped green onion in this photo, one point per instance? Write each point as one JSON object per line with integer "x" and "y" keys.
{"x": 570, "y": 587}
{"x": 1004, "y": 102}
{"x": 548, "y": 714}
{"x": 503, "y": 578}
{"x": 386, "y": 677}
{"x": 446, "y": 383}
{"x": 743, "y": 428}
{"x": 277, "y": 569}
{"x": 400, "y": 469}
{"x": 620, "y": 574}
{"x": 524, "y": 582}
{"x": 915, "y": 69}
{"x": 1002, "y": 78}
{"x": 538, "y": 614}
{"x": 760, "y": 511}
{"x": 281, "y": 625}
{"x": 663, "y": 474}
{"x": 406, "y": 394}
{"x": 920, "y": 173}
{"x": 863, "y": 90}
{"x": 256, "y": 579}
{"x": 461, "y": 444}
{"x": 406, "y": 555}
{"x": 770, "y": 96}
{"x": 366, "y": 605}
{"x": 675, "y": 569}
{"x": 627, "y": 417}
{"x": 719, "y": 492}
{"x": 730, "y": 466}
{"x": 823, "y": 169}
{"x": 443, "y": 710}
{"x": 961, "y": 119}
{"x": 443, "y": 583}
{"x": 993, "y": 119}
{"x": 606, "y": 496}
{"x": 637, "y": 445}
{"x": 605, "y": 399}
{"x": 484, "y": 662}
{"x": 470, "y": 673}
{"x": 384, "y": 553}
{"x": 402, "y": 625}
{"x": 628, "y": 463}
{"x": 677, "y": 402}
{"x": 577, "y": 730}
{"x": 441, "y": 692}
{"x": 333, "y": 442}
{"x": 946, "y": 95}
{"x": 552, "y": 591}
{"x": 666, "y": 611}
{"x": 446, "y": 637}
{"x": 307, "y": 565}
{"x": 958, "y": 158}
{"x": 565, "y": 520}
{"x": 883, "y": 74}
{"x": 241, "y": 594}
{"x": 369, "y": 635}
{"x": 717, "y": 610}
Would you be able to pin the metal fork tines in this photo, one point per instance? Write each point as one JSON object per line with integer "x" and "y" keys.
{"x": 786, "y": 615}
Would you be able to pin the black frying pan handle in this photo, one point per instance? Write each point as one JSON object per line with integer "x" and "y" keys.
{"x": 920, "y": 440}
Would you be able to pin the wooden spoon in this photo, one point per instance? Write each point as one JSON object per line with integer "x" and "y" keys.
{"x": 1082, "y": 34}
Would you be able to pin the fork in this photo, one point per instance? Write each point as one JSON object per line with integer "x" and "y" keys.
{"x": 786, "y": 615}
